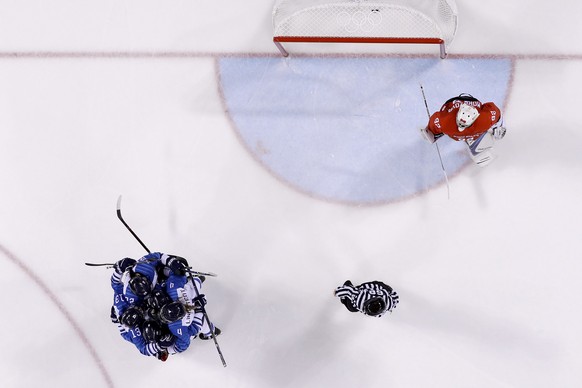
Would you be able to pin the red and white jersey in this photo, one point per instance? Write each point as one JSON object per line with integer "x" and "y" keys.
{"x": 445, "y": 120}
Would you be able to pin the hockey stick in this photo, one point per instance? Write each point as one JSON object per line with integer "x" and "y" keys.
{"x": 210, "y": 325}
{"x": 437, "y": 146}
{"x": 127, "y": 226}
{"x": 190, "y": 272}
{"x": 143, "y": 245}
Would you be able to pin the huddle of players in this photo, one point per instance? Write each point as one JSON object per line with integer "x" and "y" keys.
{"x": 158, "y": 306}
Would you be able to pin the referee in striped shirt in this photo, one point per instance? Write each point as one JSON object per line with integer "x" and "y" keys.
{"x": 371, "y": 298}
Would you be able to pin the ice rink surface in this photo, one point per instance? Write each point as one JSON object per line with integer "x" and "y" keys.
{"x": 99, "y": 99}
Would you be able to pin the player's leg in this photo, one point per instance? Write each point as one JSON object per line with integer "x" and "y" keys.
{"x": 480, "y": 149}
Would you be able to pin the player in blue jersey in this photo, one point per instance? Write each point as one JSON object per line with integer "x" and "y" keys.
{"x": 148, "y": 336}
{"x": 141, "y": 278}
{"x": 132, "y": 281}
{"x": 156, "y": 291}
{"x": 185, "y": 314}
{"x": 371, "y": 298}
{"x": 120, "y": 301}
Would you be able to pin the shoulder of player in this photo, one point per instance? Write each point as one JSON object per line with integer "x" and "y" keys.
{"x": 175, "y": 281}
{"x": 481, "y": 125}
{"x": 177, "y": 328}
{"x": 490, "y": 111}
{"x": 489, "y": 105}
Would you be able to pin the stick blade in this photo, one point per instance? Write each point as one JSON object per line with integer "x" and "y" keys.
{"x": 197, "y": 273}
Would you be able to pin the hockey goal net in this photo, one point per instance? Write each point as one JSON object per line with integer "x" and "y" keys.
{"x": 365, "y": 21}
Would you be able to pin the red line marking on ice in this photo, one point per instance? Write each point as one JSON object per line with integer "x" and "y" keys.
{"x": 194, "y": 54}
{"x": 61, "y": 307}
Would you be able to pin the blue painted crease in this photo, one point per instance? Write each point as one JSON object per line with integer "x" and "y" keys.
{"x": 347, "y": 129}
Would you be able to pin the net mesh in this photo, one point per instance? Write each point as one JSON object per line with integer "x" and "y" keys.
{"x": 366, "y": 19}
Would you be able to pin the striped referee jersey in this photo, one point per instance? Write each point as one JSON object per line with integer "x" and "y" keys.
{"x": 355, "y": 298}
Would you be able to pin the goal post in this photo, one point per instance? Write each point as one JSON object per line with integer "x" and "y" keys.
{"x": 365, "y": 21}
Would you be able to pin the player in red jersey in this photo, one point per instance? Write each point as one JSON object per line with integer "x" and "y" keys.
{"x": 464, "y": 118}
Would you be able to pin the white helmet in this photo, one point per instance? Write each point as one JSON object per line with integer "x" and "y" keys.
{"x": 466, "y": 116}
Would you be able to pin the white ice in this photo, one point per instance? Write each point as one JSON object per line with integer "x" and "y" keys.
{"x": 489, "y": 279}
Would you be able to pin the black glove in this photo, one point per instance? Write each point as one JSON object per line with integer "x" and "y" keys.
{"x": 166, "y": 341}
{"x": 199, "y": 301}
{"x": 113, "y": 315}
{"x": 178, "y": 265}
{"x": 162, "y": 355}
{"x": 123, "y": 264}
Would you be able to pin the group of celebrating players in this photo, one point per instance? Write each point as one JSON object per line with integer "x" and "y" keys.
{"x": 158, "y": 305}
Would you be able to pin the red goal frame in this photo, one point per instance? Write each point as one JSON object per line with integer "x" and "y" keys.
{"x": 278, "y": 40}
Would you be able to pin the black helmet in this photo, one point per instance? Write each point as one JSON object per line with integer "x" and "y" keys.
{"x": 139, "y": 284}
{"x": 374, "y": 306}
{"x": 157, "y": 299}
{"x": 151, "y": 314}
{"x": 132, "y": 316}
{"x": 151, "y": 331}
{"x": 172, "y": 312}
